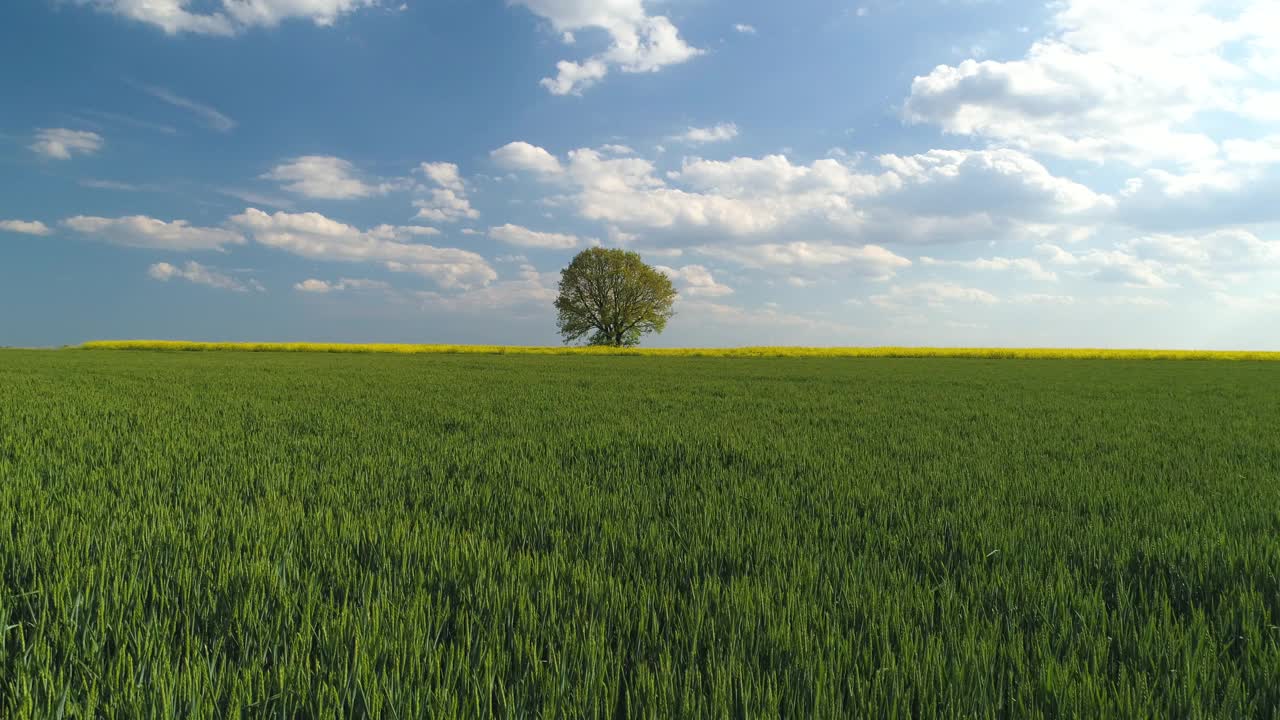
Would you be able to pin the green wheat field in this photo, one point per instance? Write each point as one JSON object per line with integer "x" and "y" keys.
{"x": 321, "y": 535}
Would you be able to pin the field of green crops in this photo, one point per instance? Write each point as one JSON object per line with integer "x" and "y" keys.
{"x": 220, "y": 535}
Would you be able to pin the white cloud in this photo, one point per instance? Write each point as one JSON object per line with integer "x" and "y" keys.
{"x": 641, "y": 42}
{"x": 448, "y": 201}
{"x": 1008, "y": 183}
{"x": 312, "y": 235}
{"x": 445, "y": 206}
{"x": 207, "y": 114}
{"x": 743, "y": 196}
{"x": 524, "y": 237}
{"x": 25, "y": 227}
{"x": 701, "y": 136}
{"x": 403, "y": 231}
{"x": 1113, "y": 266}
{"x": 312, "y": 285}
{"x": 228, "y": 17}
{"x": 1266, "y": 302}
{"x": 757, "y": 178}
{"x": 529, "y": 288}
{"x": 870, "y": 260}
{"x": 1043, "y": 299}
{"x": 320, "y": 287}
{"x": 444, "y": 174}
{"x": 778, "y": 326}
{"x": 61, "y": 143}
{"x": 936, "y": 295}
{"x": 523, "y": 156}
{"x": 1242, "y": 191}
{"x": 1261, "y": 105}
{"x": 324, "y": 177}
{"x": 572, "y": 78}
{"x": 745, "y": 29}
{"x": 1122, "y": 81}
{"x": 938, "y": 196}
{"x": 1133, "y": 300}
{"x": 171, "y": 16}
{"x": 139, "y": 231}
{"x": 695, "y": 281}
{"x": 1029, "y": 266}
{"x": 202, "y": 275}
{"x": 1221, "y": 258}
{"x": 1265, "y": 151}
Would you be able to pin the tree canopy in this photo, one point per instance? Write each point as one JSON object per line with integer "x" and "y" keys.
{"x": 611, "y": 297}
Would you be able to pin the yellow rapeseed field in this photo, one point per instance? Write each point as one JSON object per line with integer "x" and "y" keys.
{"x": 743, "y": 352}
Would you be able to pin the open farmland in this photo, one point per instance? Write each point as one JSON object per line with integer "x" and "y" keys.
{"x": 317, "y": 535}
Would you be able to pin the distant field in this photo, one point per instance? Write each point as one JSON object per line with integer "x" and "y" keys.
{"x": 416, "y": 536}
{"x": 743, "y": 352}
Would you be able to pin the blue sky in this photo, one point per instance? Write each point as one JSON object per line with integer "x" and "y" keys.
{"x": 821, "y": 172}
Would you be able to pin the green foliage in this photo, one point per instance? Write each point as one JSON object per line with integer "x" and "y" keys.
{"x": 222, "y": 535}
{"x": 612, "y": 298}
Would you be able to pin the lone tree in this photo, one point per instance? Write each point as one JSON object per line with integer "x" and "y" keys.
{"x": 611, "y": 297}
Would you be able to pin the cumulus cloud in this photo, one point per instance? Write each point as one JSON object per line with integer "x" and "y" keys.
{"x": 194, "y": 272}
{"x": 1133, "y": 301}
{"x": 1042, "y": 299}
{"x": 25, "y": 227}
{"x": 324, "y": 177}
{"x": 1217, "y": 259}
{"x": 321, "y": 287}
{"x": 701, "y": 136}
{"x": 695, "y": 281}
{"x": 228, "y": 17}
{"x": 1115, "y": 81}
{"x": 1027, "y": 266}
{"x": 524, "y": 237}
{"x": 1264, "y": 302}
{"x": 531, "y": 158}
{"x": 530, "y": 288}
{"x": 140, "y": 231}
{"x": 61, "y": 143}
{"x": 572, "y": 78}
{"x": 744, "y": 196}
{"x": 640, "y": 42}
{"x": 448, "y": 200}
{"x": 935, "y": 295}
{"x": 445, "y": 175}
{"x": 869, "y": 260}
{"x": 1239, "y": 191}
{"x": 937, "y": 196}
{"x": 1236, "y": 247}
{"x": 1008, "y": 183}
{"x": 774, "y": 325}
{"x": 1114, "y": 266}
{"x": 745, "y": 29}
{"x": 314, "y": 236}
